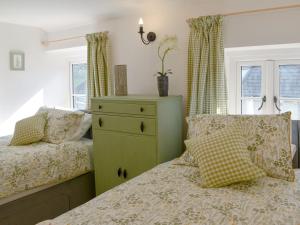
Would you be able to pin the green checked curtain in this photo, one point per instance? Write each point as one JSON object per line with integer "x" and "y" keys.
{"x": 207, "y": 92}
{"x": 99, "y": 77}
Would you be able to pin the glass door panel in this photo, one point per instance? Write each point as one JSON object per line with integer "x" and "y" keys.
{"x": 251, "y": 88}
{"x": 251, "y": 81}
{"x": 287, "y": 84}
{"x": 292, "y": 106}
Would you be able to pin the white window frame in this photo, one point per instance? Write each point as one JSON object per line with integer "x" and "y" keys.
{"x": 270, "y": 84}
{"x": 71, "y": 95}
{"x": 276, "y": 81}
{"x": 267, "y": 54}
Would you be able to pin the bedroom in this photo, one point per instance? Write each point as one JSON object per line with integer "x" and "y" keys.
{"x": 260, "y": 39}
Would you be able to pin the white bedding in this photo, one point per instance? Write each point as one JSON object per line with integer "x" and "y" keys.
{"x": 24, "y": 169}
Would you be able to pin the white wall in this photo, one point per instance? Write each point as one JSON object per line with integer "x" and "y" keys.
{"x": 278, "y": 27}
{"x": 45, "y": 80}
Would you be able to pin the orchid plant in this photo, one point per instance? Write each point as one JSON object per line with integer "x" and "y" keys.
{"x": 166, "y": 45}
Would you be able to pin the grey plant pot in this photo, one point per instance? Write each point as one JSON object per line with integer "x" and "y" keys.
{"x": 163, "y": 85}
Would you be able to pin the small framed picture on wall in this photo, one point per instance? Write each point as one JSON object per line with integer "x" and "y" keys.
{"x": 17, "y": 60}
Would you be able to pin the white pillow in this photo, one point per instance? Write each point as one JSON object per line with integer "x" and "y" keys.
{"x": 85, "y": 125}
{"x": 61, "y": 124}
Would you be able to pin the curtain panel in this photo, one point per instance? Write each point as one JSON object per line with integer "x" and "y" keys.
{"x": 207, "y": 91}
{"x": 99, "y": 74}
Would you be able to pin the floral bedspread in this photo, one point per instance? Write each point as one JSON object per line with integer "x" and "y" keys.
{"x": 27, "y": 167}
{"x": 170, "y": 194}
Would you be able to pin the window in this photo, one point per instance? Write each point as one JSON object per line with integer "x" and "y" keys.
{"x": 78, "y": 85}
{"x": 266, "y": 87}
{"x": 288, "y": 86}
{"x": 251, "y": 88}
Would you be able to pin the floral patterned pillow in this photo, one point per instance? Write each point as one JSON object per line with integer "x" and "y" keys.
{"x": 61, "y": 124}
{"x": 267, "y": 138}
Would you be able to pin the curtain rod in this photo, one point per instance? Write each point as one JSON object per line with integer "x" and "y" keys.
{"x": 65, "y": 39}
{"x": 257, "y": 10}
{"x": 262, "y": 10}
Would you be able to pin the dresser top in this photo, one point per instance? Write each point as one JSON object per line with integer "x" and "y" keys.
{"x": 138, "y": 97}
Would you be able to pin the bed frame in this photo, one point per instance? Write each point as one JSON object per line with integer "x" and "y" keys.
{"x": 48, "y": 203}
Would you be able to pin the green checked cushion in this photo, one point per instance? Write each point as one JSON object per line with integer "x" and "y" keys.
{"x": 222, "y": 158}
{"x": 29, "y": 130}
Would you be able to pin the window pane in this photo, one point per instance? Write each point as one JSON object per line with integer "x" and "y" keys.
{"x": 289, "y": 81}
{"x": 250, "y": 106}
{"x": 79, "y": 78}
{"x": 79, "y": 102}
{"x": 293, "y": 106}
{"x": 251, "y": 81}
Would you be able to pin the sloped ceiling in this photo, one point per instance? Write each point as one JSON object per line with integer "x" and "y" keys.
{"x": 55, "y": 15}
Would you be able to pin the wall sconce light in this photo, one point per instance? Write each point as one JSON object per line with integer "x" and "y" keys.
{"x": 151, "y": 36}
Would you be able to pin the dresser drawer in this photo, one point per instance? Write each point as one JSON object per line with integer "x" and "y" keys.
{"x": 133, "y": 125}
{"x": 124, "y": 108}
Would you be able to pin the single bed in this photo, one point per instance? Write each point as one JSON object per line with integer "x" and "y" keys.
{"x": 43, "y": 174}
{"x": 170, "y": 194}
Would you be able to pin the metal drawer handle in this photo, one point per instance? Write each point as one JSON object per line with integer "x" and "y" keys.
{"x": 125, "y": 174}
{"x": 263, "y": 100}
{"x": 119, "y": 172}
{"x": 142, "y": 109}
{"x": 142, "y": 127}
{"x": 275, "y": 102}
{"x": 100, "y": 122}
{"x": 100, "y": 106}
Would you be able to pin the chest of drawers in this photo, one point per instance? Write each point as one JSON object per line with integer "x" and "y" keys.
{"x": 133, "y": 134}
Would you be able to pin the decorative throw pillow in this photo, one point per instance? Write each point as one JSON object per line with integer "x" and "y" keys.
{"x": 198, "y": 125}
{"x": 61, "y": 124}
{"x": 267, "y": 138}
{"x": 223, "y": 158}
{"x": 29, "y": 130}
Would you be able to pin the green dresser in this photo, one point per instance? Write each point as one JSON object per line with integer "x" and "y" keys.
{"x": 132, "y": 134}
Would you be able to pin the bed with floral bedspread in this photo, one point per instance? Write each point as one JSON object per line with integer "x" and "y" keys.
{"x": 23, "y": 168}
{"x": 170, "y": 194}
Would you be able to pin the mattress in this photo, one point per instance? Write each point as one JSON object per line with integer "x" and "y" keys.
{"x": 30, "y": 168}
{"x": 170, "y": 194}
